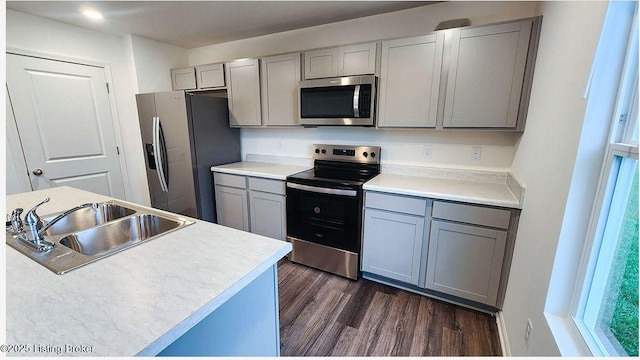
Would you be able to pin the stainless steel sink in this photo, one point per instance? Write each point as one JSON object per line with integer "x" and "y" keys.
{"x": 90, "y": 234}
{"x": 87, "y": 218}
{"x": 119, "y": 234}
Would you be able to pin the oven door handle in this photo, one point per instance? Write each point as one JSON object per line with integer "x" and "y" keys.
{"x": 322, "y": 190}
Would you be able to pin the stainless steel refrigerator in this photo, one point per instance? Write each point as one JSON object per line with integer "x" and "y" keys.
{"x": 183, "y": 135}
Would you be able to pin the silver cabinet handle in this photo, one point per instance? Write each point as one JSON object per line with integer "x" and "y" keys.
{"x": 37, "y": 172}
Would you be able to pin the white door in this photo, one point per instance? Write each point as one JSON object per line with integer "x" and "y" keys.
{"x": 64, "y": 119}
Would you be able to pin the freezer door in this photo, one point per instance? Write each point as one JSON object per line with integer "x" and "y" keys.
{"x": 171, "y": 109}
{"x": 147, "y": 113}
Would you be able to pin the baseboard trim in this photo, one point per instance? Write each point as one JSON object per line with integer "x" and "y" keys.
{"x": 502, "y": 333}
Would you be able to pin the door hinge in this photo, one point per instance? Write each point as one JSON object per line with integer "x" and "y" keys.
{"x": 118, "y": 149}
{"x": 108, "y": 92}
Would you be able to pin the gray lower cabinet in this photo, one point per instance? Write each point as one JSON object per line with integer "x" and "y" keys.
{"x": 465, "y": 261}
{"x": 439, "y": 248}
{"x": 393, "y": 245}
{"x": 231, "y": 207}
{"x": 268, "y": 214}
{"x": 251, "y": 204}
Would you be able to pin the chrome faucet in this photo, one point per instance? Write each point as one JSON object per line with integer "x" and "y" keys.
{"x": 33, "y": 235}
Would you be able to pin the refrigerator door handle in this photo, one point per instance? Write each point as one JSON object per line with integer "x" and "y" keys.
{"x": 158, "y": 153}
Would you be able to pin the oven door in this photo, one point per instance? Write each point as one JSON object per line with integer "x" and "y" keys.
{"x": 325, "y": 216}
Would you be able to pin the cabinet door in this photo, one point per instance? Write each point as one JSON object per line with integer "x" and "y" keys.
{"x": 268, "y": 214}
{"x": 465, "y": 261}
{"x": 321, "y": 63}
{"x": 280, "y": 78}
{"x": 210, "y": 76}
{"x": 183, "y": 79}
{"x": 232, "y": 207}
{"x": 357, "y": 59}
{"x": 392, "y": 245}
{"x": 243, "y": 91}
{"x": 410, "y": 81}
{"x": 486, "y": 74}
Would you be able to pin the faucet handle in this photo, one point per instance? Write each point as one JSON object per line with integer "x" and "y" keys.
{"x": 32, "y": 217}
{"x": 16, "y": 221}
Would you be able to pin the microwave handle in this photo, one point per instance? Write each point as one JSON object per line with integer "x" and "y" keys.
{"x": 356, "y": 101}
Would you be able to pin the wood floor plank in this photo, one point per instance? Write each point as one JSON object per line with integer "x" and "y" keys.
{"x": 393, "y": 328}
{"x": 452, "y": 342}
{"x": 322, "y": 314}
{"x": 369, "y": 330}
{"x": 343, "y": 345}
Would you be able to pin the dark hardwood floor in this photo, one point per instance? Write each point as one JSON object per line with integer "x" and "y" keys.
{"x": 326, "y": 315}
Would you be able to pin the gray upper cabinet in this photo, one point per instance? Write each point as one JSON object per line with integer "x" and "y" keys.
{"x": 486, "y": 75}
{"x": 409, "y": 81}
{"x": 359, "y": 59}
{"x": 243, "y": 91}
{"x": 321, "y": 63}
{"x": 200, "y": 77}
{"x": 280, "y": 78}
{"x": 183, "y": 79}
{"x": 210, "y": 76}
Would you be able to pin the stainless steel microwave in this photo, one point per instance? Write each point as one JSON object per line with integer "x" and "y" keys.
{"x": 346, "y": 100}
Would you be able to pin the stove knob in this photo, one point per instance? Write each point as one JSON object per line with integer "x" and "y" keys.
{"x": 324, "y": 151}
{"x": 373, "y": 154}
{"x": 365, "y": 154}
{"x": 317, "y": 151}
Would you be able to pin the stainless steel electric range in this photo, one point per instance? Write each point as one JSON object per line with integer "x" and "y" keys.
{"x": 324, "y": 207}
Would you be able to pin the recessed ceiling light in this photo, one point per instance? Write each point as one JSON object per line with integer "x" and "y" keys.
{"x": 93, "y": 14}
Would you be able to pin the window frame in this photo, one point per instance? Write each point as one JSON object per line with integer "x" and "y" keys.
{"x": 621, "y": 145}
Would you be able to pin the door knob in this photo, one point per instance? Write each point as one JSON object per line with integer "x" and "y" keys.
{"x": 37, "y": 172}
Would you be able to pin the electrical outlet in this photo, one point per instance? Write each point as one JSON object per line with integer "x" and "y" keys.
{"x": 426, "y": 151}
{"x": 527, "y": 333}
{"x": 476, "y": 153}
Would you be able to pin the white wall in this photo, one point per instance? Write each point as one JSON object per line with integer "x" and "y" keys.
{"x": 152, "y": 61}
{"x": 32, "y": 33}
{"x": 544, "y": 162}
{"x": 449, "y": 148}
{"x": 399, "y": 147}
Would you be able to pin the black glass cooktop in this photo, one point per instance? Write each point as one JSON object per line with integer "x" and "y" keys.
{"x": 337, "y": 175}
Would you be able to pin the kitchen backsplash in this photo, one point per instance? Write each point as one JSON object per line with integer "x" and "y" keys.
{"x": 444, "y": 149}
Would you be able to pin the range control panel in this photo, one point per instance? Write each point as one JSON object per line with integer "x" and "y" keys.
{"x": 347, "y": 153}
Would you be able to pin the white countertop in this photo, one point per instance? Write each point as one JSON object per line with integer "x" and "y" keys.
{"x": 477, "y": 192}
{"x": 260, "y": 169}
{"x": 137, "y": 301}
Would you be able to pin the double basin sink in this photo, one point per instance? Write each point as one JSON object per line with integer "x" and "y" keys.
{"x": 92, "y": 233}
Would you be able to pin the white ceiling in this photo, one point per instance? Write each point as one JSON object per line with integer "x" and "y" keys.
{"x": 191, "y": 24}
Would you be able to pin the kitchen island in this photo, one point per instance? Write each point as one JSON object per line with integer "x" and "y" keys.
{"x": 203, "y": 290}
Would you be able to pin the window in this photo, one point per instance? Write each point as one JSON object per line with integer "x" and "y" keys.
{"x": 606, "y": 311}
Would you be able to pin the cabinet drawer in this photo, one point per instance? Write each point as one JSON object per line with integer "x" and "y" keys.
{"x": 497, "y": 218}
{"x": 401, "y": 204}
{"x": 236, "y": 181}
{"x": 267, "y": 185}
